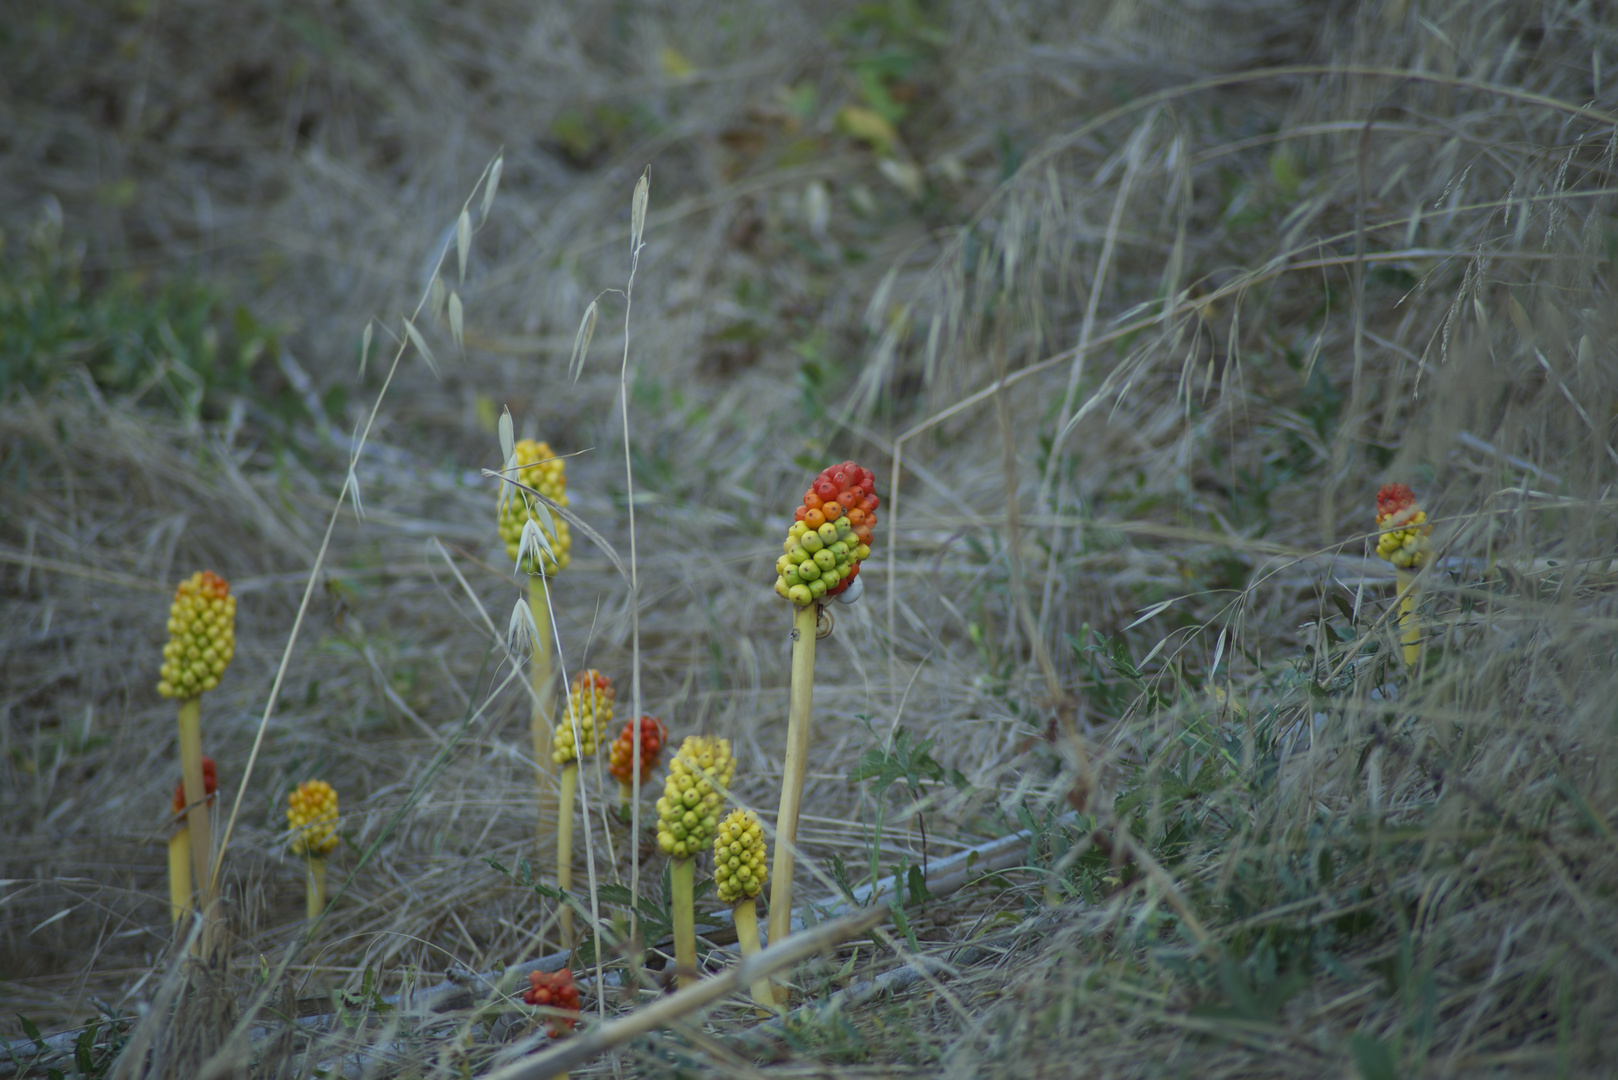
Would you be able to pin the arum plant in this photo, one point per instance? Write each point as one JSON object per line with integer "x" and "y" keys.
{"x": 687, "y": 821}
{"x": 589, "y": 710}
{"x": 180, "y": 843}
{"x": 555, "y": 997}
{"x": 539, "y": 543}
{"x": 312, "y": 820}
{"x": 829, "y": 538}
{"x": 621, "y": 759}
{"x": 1405, "y": 542}
{"x": 202, "y": 640}
{"x": 739, "y": 874}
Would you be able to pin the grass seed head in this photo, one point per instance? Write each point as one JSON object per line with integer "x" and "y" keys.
{"x": 541, "y": 470}
{"x": 589, "y": 701}
{"x": 739, "y": 868}
{"x": 688, "y": 812}
{"x": 202, "y": 636}
{"x": 831, "y": 536}
{"x": 621, "y": 752}
{"x": 1404, "y": 528}
{"x": 312, "y": 818}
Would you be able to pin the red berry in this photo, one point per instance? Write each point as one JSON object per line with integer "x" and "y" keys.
{"x": 849, "y": 499}
{"x": 840, "y": 478}
{"x": 868, "y": 484}
{"x": 825, "y": 488}
{"x": 797, "y": 515}
{"x": 869, "y": 503}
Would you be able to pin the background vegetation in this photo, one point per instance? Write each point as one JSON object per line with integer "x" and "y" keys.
{"x": 1140, "y": 302}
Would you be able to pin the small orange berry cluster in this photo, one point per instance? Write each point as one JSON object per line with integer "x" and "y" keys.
{"x": 589, "y": 701}
{"x": 312, "y": 818}
{"x": 1404, "y": 528}
{"x": 541, "y": 470}
{"x": 202, "y": 636}
{"x": 830, "y": 537}
{"x": 210, "y": 784}
{"x": 555, "y": 990}
{"x": 621, "y": 752}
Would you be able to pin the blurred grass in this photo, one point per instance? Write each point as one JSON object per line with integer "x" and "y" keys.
{"x": 1237, "y": 263}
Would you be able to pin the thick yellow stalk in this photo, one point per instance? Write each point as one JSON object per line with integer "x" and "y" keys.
{"x": 683, "y": 877}
{"x": 1409, "y": 622}
{"x": 196, "y": 796}
{"x": 180, "y": 873}
{"x": 315, "y": 895}
{"x": 746, "y": 913}
{"x": 539, "y": 604}
{"x": 626, "y": 796}
{"x": 797, "y": 760}
{"x": 564, "y": 848}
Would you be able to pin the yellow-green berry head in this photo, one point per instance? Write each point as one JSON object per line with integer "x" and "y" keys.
{"x": 540, "y": 469}
{"x": 1403, "y": 528}
{"x": 693, "y": 794}
{"x": 739, "y": 868}
{"x": 312, "y": 818}
{"x": 589, "y": 703}
{"x": 202, "y": 636}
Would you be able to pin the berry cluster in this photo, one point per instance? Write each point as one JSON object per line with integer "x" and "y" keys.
{"x": 210, "y": 784}
{"x": 830, "y": 537}
{"x": 688, "y": 812}
{"x": 555, "y": 990}
{"x": 312, "y": 818}
{"x": 621, "y": 751}
{"x": 202, "y": 636}
{"x": 1404, "y": 527}
{"x": 589, "y": 701}
{"x": 738, "y": 857}
{"x": 541, "y": 470}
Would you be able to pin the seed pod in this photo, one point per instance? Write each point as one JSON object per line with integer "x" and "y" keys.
{"x": 202, "y": 636}
{"x": 312, "y": 818}
{"x": 830, "y": 535}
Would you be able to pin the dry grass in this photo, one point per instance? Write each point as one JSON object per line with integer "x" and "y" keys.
{"x": 1180, "y": 287}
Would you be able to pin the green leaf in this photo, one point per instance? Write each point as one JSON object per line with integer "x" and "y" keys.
{"x": 31, "y": 1029}
{"x": 1373, "y": 1057}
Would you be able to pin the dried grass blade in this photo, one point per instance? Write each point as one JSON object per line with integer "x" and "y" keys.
{"x": 421, "y": 345}
{"x": 463, "y": 242}
{"x": 581, "y": 341}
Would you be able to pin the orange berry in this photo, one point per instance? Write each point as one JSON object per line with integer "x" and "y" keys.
{"x": 814, "y": 519}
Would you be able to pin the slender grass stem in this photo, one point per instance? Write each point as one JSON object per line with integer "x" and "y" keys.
{"x": 540, "y": 722}
{"x": 564, "y": 847}
{"x": 683, "y": 904}
{"x": 797, "y": 760}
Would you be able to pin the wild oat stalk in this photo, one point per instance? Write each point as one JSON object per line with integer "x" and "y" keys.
{"x": 589, "y": 711}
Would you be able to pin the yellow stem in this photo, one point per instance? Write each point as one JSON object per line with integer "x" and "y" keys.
{"x": 539, "y": 604}
{"x": 797, "y": 760}
{"x": 683, "y": 878}
{"x": 1409, "y": 622}
{"x": 564, "y": 848}
{"x": 316, "y": 893}
{"x": 746, "y": 912}
{"x": 196, "y": 798}
{"x": 626, "y": 796}
{"x": 180, "y": 873}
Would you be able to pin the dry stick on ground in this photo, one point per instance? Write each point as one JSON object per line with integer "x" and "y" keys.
{"x": 783, "y": 954}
